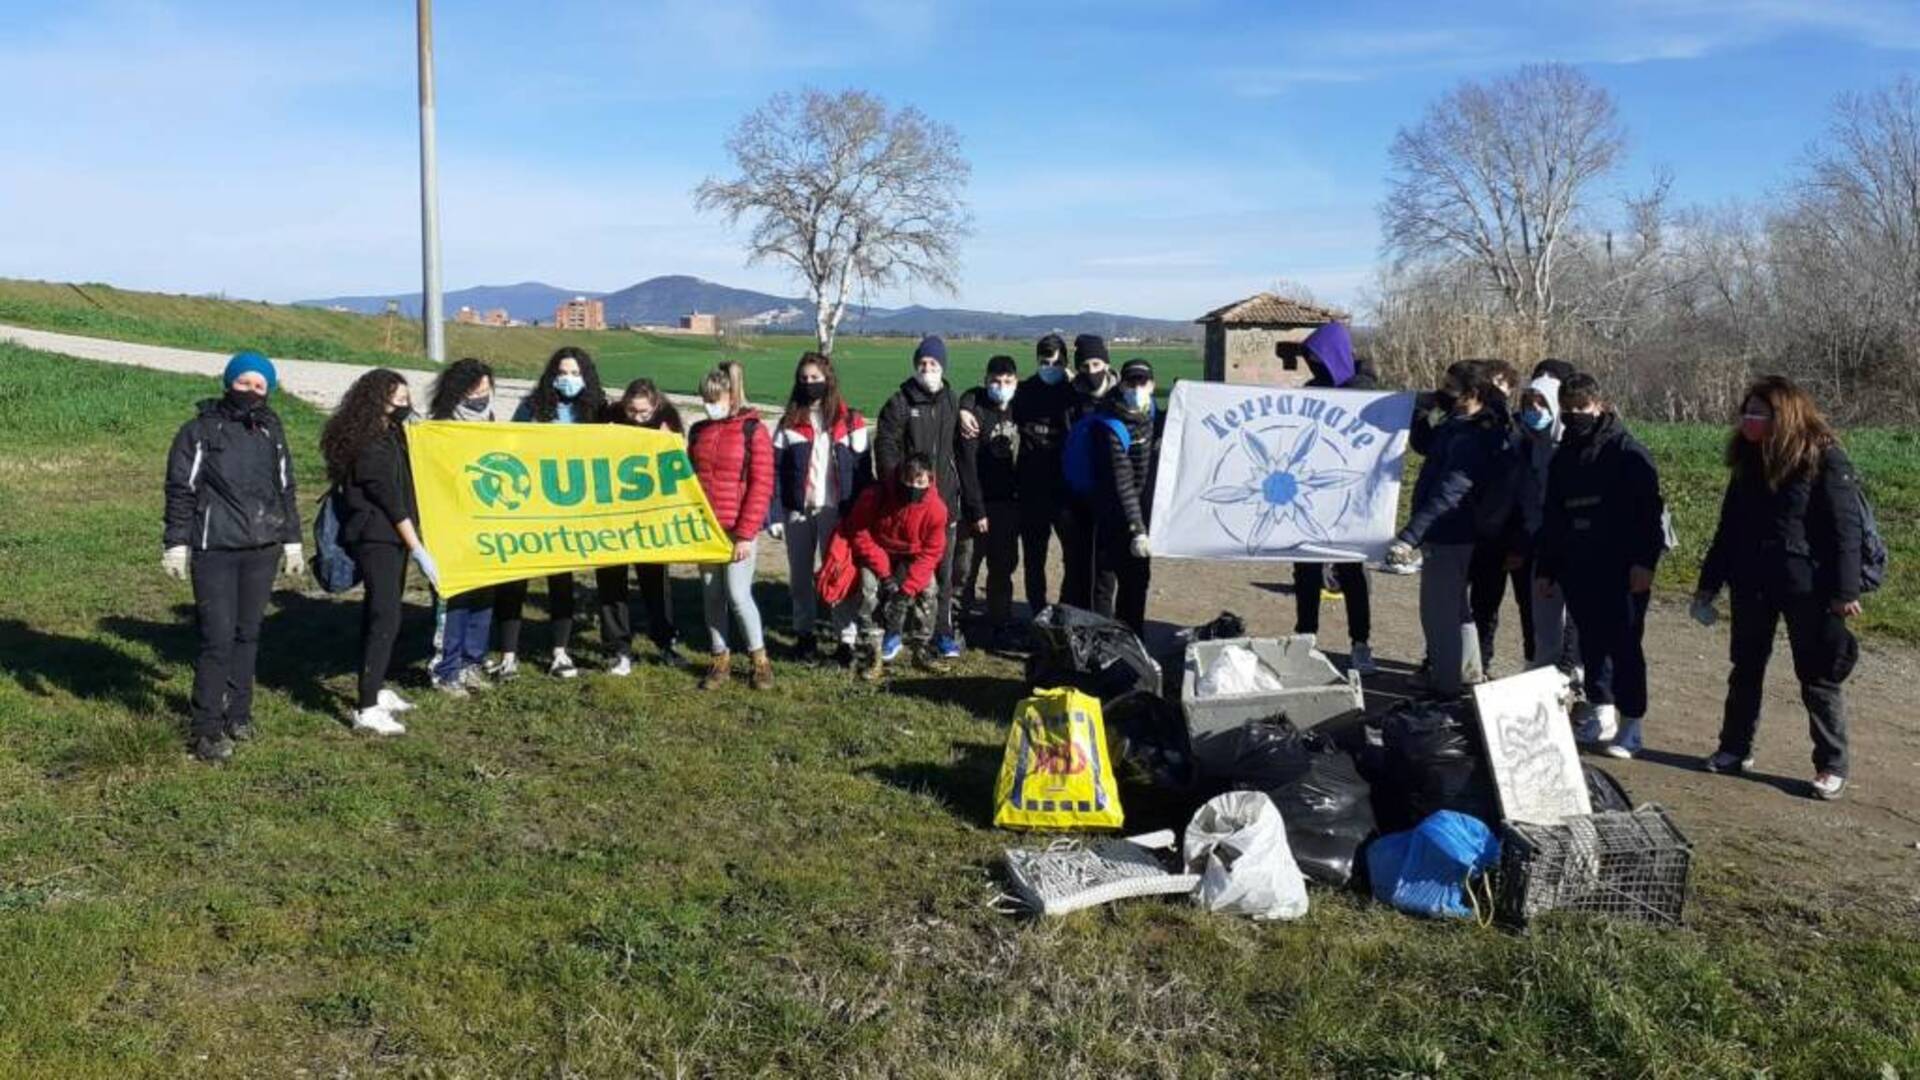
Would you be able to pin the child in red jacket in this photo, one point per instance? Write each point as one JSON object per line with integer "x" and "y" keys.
{"x": 733, "y": 457}
{"x": 897, "y": 534}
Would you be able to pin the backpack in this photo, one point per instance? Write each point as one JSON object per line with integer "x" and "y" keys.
{"x": 333, "y": 568}
{"x": 1873, "y": 546}
{"x": 1077, "y": 457}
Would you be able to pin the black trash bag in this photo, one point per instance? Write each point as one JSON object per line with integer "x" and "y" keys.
{"x": 1435, "y": 761}
{"x": 1152, "y": 761}
{"x": 1359, "y": 734}
{"x": 1252, "y": 757}
{"x": 1088, "y": 652}
{"x": 1329, "y": 813}
{"x": 1224, "y": 626}
{"x": 1605, "y": 792}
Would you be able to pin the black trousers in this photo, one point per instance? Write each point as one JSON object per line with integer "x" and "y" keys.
{"x": 383, "y": 569}
{"x": 1121, "y": 577}
{"x": 1310, "y": 577}
{"x": 510, "y": 599}
{"x": 1612, "y": 623}
{"x": 1039, "y": 521}
{"x": 1085, "y": 582}
{"x": 1824, "y": 652}
{"x": 230, "y": 592}
{"x": 616, "y": 610}
{"x": 999, "y": 552}
{"x": 1488, "y": 578}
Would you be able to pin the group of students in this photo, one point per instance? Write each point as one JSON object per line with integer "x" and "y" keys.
{"x": 888, "y": 526}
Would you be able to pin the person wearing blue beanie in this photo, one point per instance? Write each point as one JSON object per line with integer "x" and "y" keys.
{"x": 923, "y": 417}
{"x": 932, "y": 348}
{"x": 246, "y": 361}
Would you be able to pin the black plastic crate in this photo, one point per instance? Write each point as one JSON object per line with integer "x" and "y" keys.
{"x": 1619, "y": 865}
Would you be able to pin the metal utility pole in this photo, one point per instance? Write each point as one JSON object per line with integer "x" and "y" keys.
{"x": 430, "y": 308}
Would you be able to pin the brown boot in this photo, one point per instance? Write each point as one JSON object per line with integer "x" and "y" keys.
{"x": 719, "y": 672}
{"x": 762, "y": 670}
{"x": 868, "y": 665}
{"x": 930, "y": 662}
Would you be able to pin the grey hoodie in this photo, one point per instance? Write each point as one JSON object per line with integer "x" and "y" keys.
{"x": 1540, "y": 448}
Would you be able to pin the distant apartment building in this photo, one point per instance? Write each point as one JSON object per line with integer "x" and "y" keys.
{"x": 580, "y": 313}
{"x": 495, "y": 317}
{"x": 698, "y": 323}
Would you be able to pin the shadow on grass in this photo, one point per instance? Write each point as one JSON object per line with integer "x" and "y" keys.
{"x": 962, "y": 785}
{"x": 85, "y": 668}
{"x": 985, "y": 697}
{"x": 1800, "y": 789}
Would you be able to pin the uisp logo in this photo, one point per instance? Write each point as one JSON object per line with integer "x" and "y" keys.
{"x": 500, "y": 480}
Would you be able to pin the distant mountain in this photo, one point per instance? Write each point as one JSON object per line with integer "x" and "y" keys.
{"x": 527, "y": 301}
{"x": 663, "y": 300}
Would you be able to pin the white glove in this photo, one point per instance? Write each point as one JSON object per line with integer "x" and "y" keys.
{"x": 425, "y": 562}
{"x": 174, "y": 562}
{"x": 293, "y": 559}
{"x": 1702, "y": 610}
{"x": 777, "y": 530}
{"x": 1140, "y": 547}
{"x": 1401, "y": 553}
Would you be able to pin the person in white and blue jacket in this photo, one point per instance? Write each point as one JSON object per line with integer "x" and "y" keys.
{"x": 822, "y": 459}
{"x": 232, "y": 520}
{"x": 464, "y": 392}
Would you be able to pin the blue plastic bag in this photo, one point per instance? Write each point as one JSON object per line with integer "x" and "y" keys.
{"x": 1425, "y": 871}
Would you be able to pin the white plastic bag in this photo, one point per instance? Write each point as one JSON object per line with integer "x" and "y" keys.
{"x": 1236, "y": 669}
{"x": 1237, "y": 843}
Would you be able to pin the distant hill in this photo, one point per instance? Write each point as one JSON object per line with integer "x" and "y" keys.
{"x": 527, "y": 301}
{"x": 663, "y": 300}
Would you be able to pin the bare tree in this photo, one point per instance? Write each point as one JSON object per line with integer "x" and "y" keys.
{"x": 850, "y": 194}
{"x": 1494, "y": 174}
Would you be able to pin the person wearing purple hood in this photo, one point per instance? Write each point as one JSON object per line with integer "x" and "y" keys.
{"x": 1330, "y": 359}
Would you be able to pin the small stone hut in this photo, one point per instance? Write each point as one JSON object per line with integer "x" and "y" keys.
{"x": 1257, "y": 340}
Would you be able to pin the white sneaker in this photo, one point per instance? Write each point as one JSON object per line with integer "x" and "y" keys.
{"x": 393, "y": 702}
{"x": 562, "y": 666}
{"x": 504, "y": 668}
{"x": 1360, "y": 659}
{"x": 377, "y": 721}
{"x": 450, "y": 687}
{"x": 1615, "y": 750}
{"x": 1829, "y": 786}
{"x": 622, "y": 666}
{"x": 1601, "y": 724}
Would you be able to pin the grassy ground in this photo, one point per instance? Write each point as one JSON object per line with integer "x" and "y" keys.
{"x": 870, "y": 368}
{"x": 629, "y": 878}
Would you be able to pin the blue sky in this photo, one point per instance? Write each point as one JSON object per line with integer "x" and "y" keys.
{"x": 1151, "y": 158}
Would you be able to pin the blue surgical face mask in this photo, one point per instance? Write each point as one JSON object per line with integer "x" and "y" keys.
{"x": 1140, "y": 397}
{"x": 568, "y": 386}
{"x": 1535, "y": 419}
{"x": 1053, "y": 374}
{"x": 999, "y": 394}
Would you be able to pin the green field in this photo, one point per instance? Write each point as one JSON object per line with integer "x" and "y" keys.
{"x": 870, "y": 368}
{"x": 628, "y": 878}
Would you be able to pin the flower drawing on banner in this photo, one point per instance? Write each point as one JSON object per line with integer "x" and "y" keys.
{"x": 1281, "y": 486}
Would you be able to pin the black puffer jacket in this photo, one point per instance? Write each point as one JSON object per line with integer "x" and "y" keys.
{"x": 230, "y": 481}
{"x": 1123, "y": 494}
{"x": 1802, "y": 539}
{"x": 379, "y": 493}
{"x": 1040, "y": 412}
{"x": 991, "y": 456}
{"x": 916, "y": 422}
{"x": 1603, "y": 506}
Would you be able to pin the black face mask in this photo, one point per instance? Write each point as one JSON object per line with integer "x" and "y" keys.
{"x": 1580, "y": 425}
{"x": 1445, "y": 399}
{"x": 399, "y": 413}
{"x": 812, "y": 392}
{"x": 915, "y": 494}
{"x": 476, "y": 405}
{"x": 245, "y": 401}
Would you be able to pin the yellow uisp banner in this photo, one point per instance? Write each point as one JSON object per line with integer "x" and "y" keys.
{"x": 503, "y": 502}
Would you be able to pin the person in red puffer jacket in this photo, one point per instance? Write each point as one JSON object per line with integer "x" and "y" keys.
{"x": 733, "y": 458}
{"x": 897, "y": 535}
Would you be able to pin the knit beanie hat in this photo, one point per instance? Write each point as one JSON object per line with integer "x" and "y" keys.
{"x": 246, "y": 361}
{"x": 1002, "y": 365}
{"x": 1089, "y": 347}
{"x": 931, "y": 348}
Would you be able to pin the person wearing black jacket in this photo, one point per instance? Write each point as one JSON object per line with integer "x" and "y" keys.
{"x": 1788, "y": 547}
{"x": 1081, "y": 585}
{"x": 231, "y": 520}
{"x": 365, "y": 444}
{"x": 1330, "y": 360}
{"x": 923, "y": 417}
{"x": 990, "y": 532}
{"x": 1601, "y": 538}
{"x": 1123, "y": 491}
{"x": 1040, "y": 414}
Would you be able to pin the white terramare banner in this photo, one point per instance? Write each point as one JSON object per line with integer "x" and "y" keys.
{"x": 1282, "y": 473}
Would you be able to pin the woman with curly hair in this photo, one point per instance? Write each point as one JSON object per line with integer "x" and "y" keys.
{"x": 463, "y": 392}
{"x": 1788, "y": 547}
{"x": 643, "y": 405}
{"x": 568, "y": 393}
{"x": 365, "y": 446}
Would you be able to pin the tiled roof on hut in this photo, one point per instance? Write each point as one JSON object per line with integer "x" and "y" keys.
{"x": 1263, "y": 308}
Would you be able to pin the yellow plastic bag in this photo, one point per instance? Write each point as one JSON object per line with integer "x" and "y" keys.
{"x": 1056, "y": 774}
